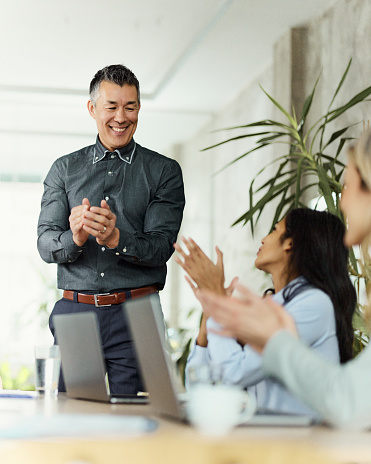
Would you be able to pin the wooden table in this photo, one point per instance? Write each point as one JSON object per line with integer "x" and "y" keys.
{"x": 177, "y": 443}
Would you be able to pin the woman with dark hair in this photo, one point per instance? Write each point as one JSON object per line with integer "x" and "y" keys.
{"x": 307, "y": 260}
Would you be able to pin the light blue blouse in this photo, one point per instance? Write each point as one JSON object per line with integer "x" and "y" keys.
{"x": 313, "y": 313}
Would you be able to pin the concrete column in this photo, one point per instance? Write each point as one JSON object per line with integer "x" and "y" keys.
{"x": 289, "y": 77}
{"x": 289, "y": 73}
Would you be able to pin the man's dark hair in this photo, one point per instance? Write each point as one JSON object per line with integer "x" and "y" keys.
{"x": 116, "y": 73}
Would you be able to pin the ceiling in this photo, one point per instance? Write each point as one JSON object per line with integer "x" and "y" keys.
{"x": 191, "y": 57}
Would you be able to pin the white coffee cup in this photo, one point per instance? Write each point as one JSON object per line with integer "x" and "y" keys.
{"x": 216, "y": 409}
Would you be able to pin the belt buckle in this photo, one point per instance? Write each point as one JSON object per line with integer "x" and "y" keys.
{"x": 96, "y": 302}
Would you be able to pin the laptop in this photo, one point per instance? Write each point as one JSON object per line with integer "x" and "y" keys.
{"x": 82, "y": 359}
{"x": 158, "y": 368}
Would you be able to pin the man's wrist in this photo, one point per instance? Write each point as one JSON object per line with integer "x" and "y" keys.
{"x": 78, "y": 243}
{"x": 114, "y": 241}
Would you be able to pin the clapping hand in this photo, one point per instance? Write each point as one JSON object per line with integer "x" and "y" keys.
{"x": 98, "y": 221}
{"x": 202, "y": 272}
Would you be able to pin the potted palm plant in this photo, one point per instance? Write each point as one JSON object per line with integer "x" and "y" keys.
{"x": 311, "y": 160}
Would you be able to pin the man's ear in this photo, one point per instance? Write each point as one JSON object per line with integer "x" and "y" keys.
{"x": 287, "y": 245}
{"x": 91, "y": 109}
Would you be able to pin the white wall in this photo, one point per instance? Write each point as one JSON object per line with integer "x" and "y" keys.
{"x": 216, "y": 200}
{"x": 26, "y": 282}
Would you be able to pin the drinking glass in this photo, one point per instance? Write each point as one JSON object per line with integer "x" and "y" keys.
{"x": 48, "y": 363}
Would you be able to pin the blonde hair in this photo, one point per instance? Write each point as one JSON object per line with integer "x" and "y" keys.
{"x": 360, "y": 155}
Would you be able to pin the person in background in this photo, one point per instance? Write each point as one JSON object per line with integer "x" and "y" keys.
{"x": 307, "y": 260}
{"x": 340, "y": 394}
{"x": 110, "y": 213}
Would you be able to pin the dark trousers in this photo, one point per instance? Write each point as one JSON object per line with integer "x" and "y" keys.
{"x": 118, "y": 348}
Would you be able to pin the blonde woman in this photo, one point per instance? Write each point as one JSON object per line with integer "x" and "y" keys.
{"x": 340, "y": 394}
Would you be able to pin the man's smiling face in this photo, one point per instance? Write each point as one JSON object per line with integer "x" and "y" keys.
{"x": 116, "y": 114}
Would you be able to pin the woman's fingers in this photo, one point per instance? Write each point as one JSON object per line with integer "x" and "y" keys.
{"x": 191, "y": 284}
{"x": 229, "y": 290}
{"x": 180, "y": 250}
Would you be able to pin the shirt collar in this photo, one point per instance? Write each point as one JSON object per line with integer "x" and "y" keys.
{"x": 126, "y": 153}
{"x": 296, "y": 281}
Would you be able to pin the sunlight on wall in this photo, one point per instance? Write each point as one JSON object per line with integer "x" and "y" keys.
{"x": 27, "y": 283}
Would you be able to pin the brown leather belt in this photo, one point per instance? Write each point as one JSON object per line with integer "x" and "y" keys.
{"x": 108, "y": 299}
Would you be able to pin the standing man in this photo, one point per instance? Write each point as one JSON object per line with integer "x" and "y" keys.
{"x": 110, "y": 214}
